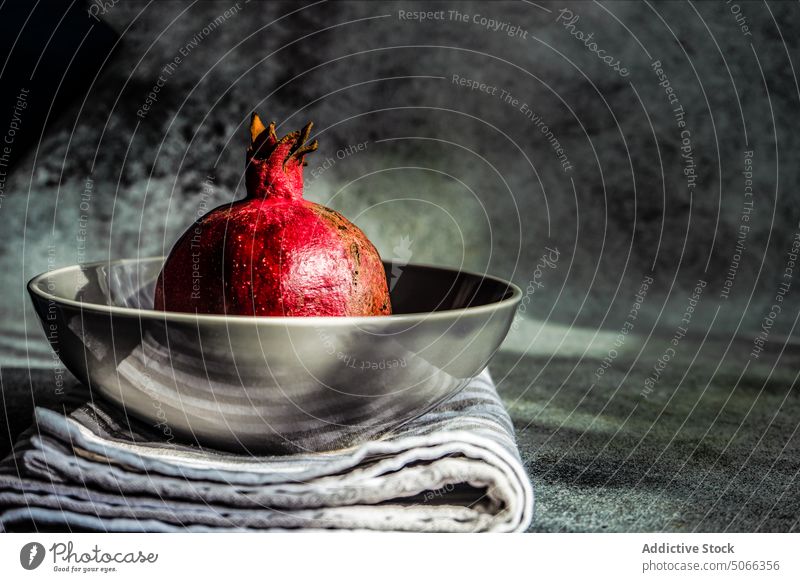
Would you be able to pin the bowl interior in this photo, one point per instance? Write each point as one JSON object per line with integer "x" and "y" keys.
{"x": 414, "y": 289}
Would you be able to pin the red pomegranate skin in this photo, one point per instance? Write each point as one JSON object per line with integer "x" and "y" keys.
{"x": 274, "y": 253}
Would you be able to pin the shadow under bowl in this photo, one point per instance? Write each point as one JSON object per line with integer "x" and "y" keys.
{"x": 272, "y": 384}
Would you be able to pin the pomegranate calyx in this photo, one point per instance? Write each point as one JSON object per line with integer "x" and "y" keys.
{"x": 275, "y": 165}
{"x": 264, "y": 142}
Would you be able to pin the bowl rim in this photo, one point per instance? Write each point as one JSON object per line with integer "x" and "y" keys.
{"x": 34, "y": 288}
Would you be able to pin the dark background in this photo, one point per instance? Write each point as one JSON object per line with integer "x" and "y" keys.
{"x": 474, "y": 182}
{"x": 458, "y": 177}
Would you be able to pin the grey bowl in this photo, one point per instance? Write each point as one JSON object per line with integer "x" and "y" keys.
{"x": 272, "y": 384}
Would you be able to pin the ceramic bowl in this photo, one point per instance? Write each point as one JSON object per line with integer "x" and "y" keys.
{"x": 272, "y": 384}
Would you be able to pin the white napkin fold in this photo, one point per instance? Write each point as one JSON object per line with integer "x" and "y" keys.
{"x": 455, "y": 469}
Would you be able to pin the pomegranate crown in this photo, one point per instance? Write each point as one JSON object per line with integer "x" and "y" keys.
{"x": 275, "y": 165}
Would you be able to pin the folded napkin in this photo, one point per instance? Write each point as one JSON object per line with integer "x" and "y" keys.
{"x": 456, "y": 468}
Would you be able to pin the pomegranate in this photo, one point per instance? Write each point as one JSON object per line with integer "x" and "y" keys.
{"x": 274, "y": 253}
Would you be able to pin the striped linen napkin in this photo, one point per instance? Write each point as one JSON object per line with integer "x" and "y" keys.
{"x": 456, "y": 468}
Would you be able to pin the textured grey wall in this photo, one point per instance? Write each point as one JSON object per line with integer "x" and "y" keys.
{"x": 470, "y": 177}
